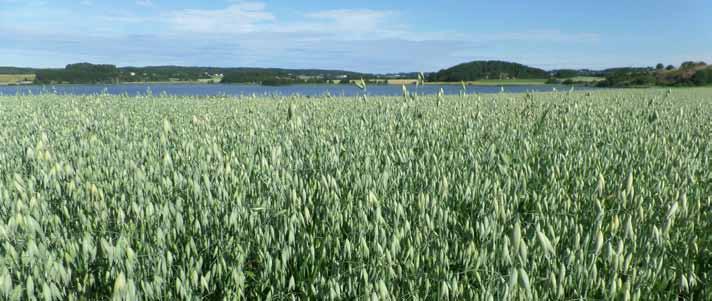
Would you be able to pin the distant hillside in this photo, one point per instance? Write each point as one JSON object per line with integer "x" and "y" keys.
{"x": 277, "y": 76}
{"x": 688, "y": 74}
{"x": 82, "y": 73}
{"x": 479, "y": 70}
{"x": 571, "y": 73}
{"x": 85, "y": 73}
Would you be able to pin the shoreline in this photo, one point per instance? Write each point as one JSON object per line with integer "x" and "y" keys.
{"x": 469, "y": 84}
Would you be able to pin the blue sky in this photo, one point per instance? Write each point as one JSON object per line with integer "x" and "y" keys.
{"x": 364, "y": 35}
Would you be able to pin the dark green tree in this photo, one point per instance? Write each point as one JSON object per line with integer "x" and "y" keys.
{"x": 702, "y": 77}
{"x": 691, "y": 64}
{"x": 82, "y": 73}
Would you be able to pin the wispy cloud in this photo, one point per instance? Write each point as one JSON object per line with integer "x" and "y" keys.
{"x": 347, "y": 24}
{"x": 542, "y": 36}
{"x": 356, "y": 20}
{"x": 239, "y": 17}
{"x": 249, "y": 33}
{"x": 254, "y": 17}
{"x": 144, "y": 2}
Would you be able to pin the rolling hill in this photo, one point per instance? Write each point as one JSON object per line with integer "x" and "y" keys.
{"x": 479, "y": 70}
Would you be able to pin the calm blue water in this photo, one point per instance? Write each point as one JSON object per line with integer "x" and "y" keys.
{"x": 248, "y": 90}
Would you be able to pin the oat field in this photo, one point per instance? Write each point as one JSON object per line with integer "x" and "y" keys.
{"x": 603, "y": 195}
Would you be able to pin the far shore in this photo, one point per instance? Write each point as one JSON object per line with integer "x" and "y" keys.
{"x": 534, "y": 82}
{"x": 492, "y": 82}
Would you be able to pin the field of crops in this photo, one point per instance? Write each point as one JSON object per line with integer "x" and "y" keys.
{"x": 16, "y": 78}
{"x": 554, "y": 196}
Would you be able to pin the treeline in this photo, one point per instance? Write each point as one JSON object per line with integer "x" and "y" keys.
{"x": 479, "y": 70}
{"x": 16, "y": 70}
{"x": 82, "y": 73}
{"x": 571, "y": 73}
{"x": 273, "y": 77}
{"x": 167, "y": 74}
{"x": 688, "y": 74}
{"x": 86, "y": 73}
{"x": 702, "y": 77}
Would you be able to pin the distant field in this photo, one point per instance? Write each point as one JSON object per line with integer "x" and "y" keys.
{"x": 15, "y": 78}
{"x": 402, "y": 81}
{"x": 590, "y": 79}
{"x": 214, "y": 80}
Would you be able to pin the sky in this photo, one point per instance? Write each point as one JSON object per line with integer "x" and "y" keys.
{"x": 365, "y": 35}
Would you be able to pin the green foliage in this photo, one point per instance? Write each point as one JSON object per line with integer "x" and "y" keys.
{"x": 566, "y": 73}
{"x": 16, "y": 70}
{"x": 627, "y": 77}
{"x": 576, "y": 76}
{"x": 625, "y": 70}
{"x": 167, "y": 73}
{"x": 551, "y": 196}
{"x": 285, "y": 76}
{"x": 702, "y": 77}
{"x": 479, "y": 70}
{"x": 267, "y": 78}
{"x": 697, "y": 76}
{"x": 82, "y": 73}
{"x": 579, "y": 81}
{"x": 85, "y": 73}
{"x": 691, "y": 65}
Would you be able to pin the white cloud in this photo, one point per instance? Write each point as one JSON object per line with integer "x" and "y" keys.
{"x": 240, "y": 17}
{"x": 144, "y": 2}
{"x": 354, "y": 19}
{"x": 347, "y": 24}
{"x": 253, "y": 17}
{"x": 247, "y": 33}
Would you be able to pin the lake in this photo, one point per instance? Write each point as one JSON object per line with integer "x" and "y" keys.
{"x": 248, "y": 90}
